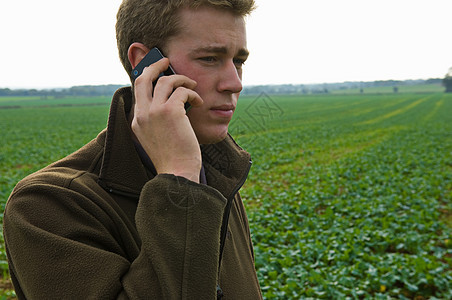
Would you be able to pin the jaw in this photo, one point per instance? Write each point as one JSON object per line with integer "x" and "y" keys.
{"x": 211, "y": 134}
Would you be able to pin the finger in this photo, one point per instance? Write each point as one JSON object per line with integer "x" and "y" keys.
{"x": 167, "y": 84}
{"x": 143, "y": 84}
{"x": 152, "y": 72}
{"x": 182, "y": 95}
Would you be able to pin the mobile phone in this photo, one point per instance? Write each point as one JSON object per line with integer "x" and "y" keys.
{"x": 151, "y": 57}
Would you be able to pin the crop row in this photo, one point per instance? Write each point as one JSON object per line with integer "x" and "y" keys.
{"x": 348, "y": 197}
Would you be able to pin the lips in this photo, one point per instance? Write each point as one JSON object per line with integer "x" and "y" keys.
{"x": 224, "y": 107}
{"x": 225, "y": 111}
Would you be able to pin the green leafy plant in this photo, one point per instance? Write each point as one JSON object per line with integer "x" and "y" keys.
{"x": 349, "y": 197}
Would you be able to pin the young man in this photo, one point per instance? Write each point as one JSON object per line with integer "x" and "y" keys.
{"x": 150, "y": 208}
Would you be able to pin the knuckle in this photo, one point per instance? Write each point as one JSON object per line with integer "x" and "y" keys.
{"x": 139, "y": 120}
{"x": 164, "y": 80}
{"x": 166, "y": 111}
{"x": 142, "y": 117}
{"x": 180, "y": 90}
{"x": 140, "y": 79}
{"x": 135, "y": 125}
{"x": 178, "y": 94}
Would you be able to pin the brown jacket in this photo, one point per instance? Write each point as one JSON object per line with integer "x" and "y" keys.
{"x": 99, "y": 225}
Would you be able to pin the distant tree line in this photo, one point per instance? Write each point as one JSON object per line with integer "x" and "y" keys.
{"x": 325, "y": 88}
{"x": 79, "y": 91}
{"x": 447, "y": 81}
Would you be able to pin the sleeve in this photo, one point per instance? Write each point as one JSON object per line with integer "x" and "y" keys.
{"x": 60, "y": 244}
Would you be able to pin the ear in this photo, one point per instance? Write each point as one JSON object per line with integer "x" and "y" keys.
{"x": 136, "y": 52}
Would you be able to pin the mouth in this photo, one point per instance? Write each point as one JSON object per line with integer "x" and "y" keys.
{"x": 225, "y": 111}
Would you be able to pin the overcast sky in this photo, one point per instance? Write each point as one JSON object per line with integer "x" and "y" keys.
{"x": 54, "y": 43}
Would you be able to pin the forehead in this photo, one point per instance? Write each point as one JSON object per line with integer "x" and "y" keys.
{"x": 208, "y": 26}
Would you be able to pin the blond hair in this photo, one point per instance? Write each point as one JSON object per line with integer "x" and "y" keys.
{"x": 152, "y": 22}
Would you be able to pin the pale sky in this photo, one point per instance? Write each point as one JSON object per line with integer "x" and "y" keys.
{"x": 54, "y": 43}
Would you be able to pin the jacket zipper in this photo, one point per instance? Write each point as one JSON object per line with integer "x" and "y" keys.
{"x": 224, "y": 226}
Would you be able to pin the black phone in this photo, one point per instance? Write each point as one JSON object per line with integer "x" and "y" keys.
{"x": 151, "y": 57}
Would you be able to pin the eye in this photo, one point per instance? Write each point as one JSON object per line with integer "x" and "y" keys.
{"x": 239, "y": 63}
{"x": 208, "y": 59}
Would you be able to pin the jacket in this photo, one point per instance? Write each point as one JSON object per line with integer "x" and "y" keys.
{"x": 99, "y": 225}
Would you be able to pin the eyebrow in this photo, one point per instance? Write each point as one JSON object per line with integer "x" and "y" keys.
{"x": 220, "y": 50}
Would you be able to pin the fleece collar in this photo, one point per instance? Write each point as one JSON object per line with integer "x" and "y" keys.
{"x": 122, "y": 171}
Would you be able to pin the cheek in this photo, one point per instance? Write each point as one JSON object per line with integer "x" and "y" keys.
{"x": 192, "y": 71}
{"x": 180, "y": 64}
{"x": 183, "y": 66}
{"x": 205, "y": 87}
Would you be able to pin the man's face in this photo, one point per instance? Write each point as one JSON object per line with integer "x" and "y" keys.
{"x": 210, "y": 49}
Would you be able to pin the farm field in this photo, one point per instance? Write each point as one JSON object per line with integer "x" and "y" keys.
{"x": 418, "y": 88}
{"x": 349, "y": 196}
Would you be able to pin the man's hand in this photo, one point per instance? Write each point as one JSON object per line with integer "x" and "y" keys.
{"x": 161, "y": 125}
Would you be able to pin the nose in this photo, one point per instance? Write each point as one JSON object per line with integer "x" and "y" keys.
{"x": 230, "y": 79}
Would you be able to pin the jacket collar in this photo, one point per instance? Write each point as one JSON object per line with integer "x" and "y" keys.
{"x": 226, "y": 164}
{"x": 121, "y": 170}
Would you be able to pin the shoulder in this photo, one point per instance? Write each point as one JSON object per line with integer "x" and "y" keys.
{"x": 65, "y": 176}
{"x": 85, "y": 159}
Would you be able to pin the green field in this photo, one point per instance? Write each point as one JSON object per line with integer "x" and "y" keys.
{"x": 349, "y": 196}
{"x": 418, "y": 88}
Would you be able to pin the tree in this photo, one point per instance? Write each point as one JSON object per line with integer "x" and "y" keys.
{"x": 447, "y": 81}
